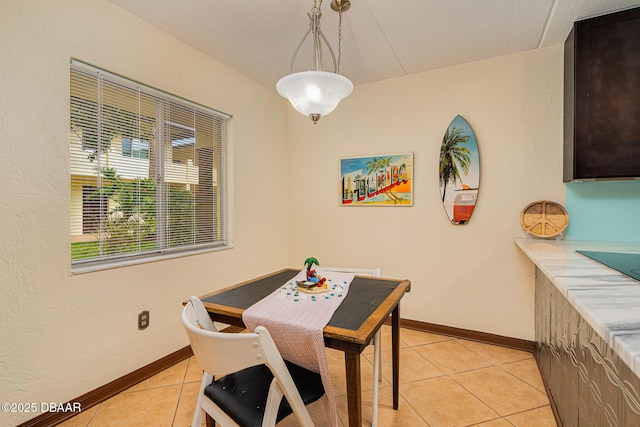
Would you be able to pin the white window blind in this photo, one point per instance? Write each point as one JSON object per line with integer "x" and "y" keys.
{"x": 148, "y": 171}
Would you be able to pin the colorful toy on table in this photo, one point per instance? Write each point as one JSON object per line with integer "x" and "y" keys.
{"x": 315, "y": 283}
{"x": 316, "y": 279}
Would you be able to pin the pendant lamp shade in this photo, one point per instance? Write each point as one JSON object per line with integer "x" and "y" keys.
{"x": 314, "y": 93}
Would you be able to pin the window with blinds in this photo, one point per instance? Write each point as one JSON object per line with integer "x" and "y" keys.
{"x": 148, "y": 171}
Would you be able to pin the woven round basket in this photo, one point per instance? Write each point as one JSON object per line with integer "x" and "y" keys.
{"x": 544, "y": 219}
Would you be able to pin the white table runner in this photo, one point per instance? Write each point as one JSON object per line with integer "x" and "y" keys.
{"x": 296, "y": 321}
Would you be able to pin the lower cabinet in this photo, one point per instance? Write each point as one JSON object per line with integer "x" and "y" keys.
{"x": 589, "y": 384}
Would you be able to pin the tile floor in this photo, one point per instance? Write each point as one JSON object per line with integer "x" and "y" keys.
{"x": 444, "y": 381}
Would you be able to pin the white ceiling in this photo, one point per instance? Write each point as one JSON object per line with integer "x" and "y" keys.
{"x": 381, "y": 39}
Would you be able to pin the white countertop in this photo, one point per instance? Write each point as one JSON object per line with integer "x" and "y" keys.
{"x": 607, "y": 299}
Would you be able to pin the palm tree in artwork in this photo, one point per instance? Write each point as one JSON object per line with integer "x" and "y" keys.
{"x": 381, "y": 164}
{"x": 373, "y": 165}
{"x": 453, "y": 155}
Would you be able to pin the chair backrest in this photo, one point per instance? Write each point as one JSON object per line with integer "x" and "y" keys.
{"x": 201, "y": 316}
{"x": 220, "y": 353}
{"x": 370, "y": 272}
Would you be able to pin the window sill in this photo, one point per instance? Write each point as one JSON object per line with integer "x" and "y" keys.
{"x": 143, "y": 259}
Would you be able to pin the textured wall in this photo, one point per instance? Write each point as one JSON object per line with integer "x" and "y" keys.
{"x": 469, "y": 276}
{"x": 63, "y": 335}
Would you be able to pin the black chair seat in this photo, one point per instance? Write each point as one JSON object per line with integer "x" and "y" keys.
{"x": 243, "y": 394}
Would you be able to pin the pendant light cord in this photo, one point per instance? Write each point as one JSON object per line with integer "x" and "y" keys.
{"x": 318, "y": 40}
{"x": 339, "y": 40}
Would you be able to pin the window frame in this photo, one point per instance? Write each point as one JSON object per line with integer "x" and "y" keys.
{"x": 221, "y": 205}
{"x": 135, "y": 153}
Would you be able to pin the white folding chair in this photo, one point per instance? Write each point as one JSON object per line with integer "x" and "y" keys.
{"x": 245, "y": 377}
{"x": 377, "y": 340}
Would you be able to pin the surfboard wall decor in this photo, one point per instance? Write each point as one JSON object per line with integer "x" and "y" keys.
{"x": 459, "y": 171}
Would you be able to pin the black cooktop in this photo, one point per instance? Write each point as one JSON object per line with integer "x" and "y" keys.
{"x": 628, "y": 264}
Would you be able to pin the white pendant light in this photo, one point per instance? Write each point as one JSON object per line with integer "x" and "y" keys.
{"x": 316, "y": 93}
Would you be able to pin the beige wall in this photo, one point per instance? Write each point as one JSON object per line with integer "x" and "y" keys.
{"x": 468, "y": 276}
{"x": 63, "y": 335}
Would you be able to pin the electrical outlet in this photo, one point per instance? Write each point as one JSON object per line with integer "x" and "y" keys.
{"x": 143, "y": 319}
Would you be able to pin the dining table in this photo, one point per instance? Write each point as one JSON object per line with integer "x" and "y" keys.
{"x": 368, "y": 304}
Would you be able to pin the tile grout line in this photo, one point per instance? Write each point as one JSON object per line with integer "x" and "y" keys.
{"x": 492, "y": 364}
{"x": 99, "y": 405}
{"x": 489, "y": 406}
{"x": 521, "y": 379}
{"x": 184, "y": 379}
{"x": 447, "y": 375}
{"x": 413, "y": 348}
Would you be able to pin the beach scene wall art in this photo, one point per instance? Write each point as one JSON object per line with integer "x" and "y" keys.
{"x": 382, "y": 180}
{"x": 459, "y": 170}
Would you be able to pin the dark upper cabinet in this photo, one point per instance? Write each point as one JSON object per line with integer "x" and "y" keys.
{"x": 602, "y": 98}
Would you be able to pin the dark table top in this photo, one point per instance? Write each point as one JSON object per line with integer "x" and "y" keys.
{"x": 366, "y": 296}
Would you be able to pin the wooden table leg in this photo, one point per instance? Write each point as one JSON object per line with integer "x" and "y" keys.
{"x": 354, "y": 388}
{"x": 395, "y": 346}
